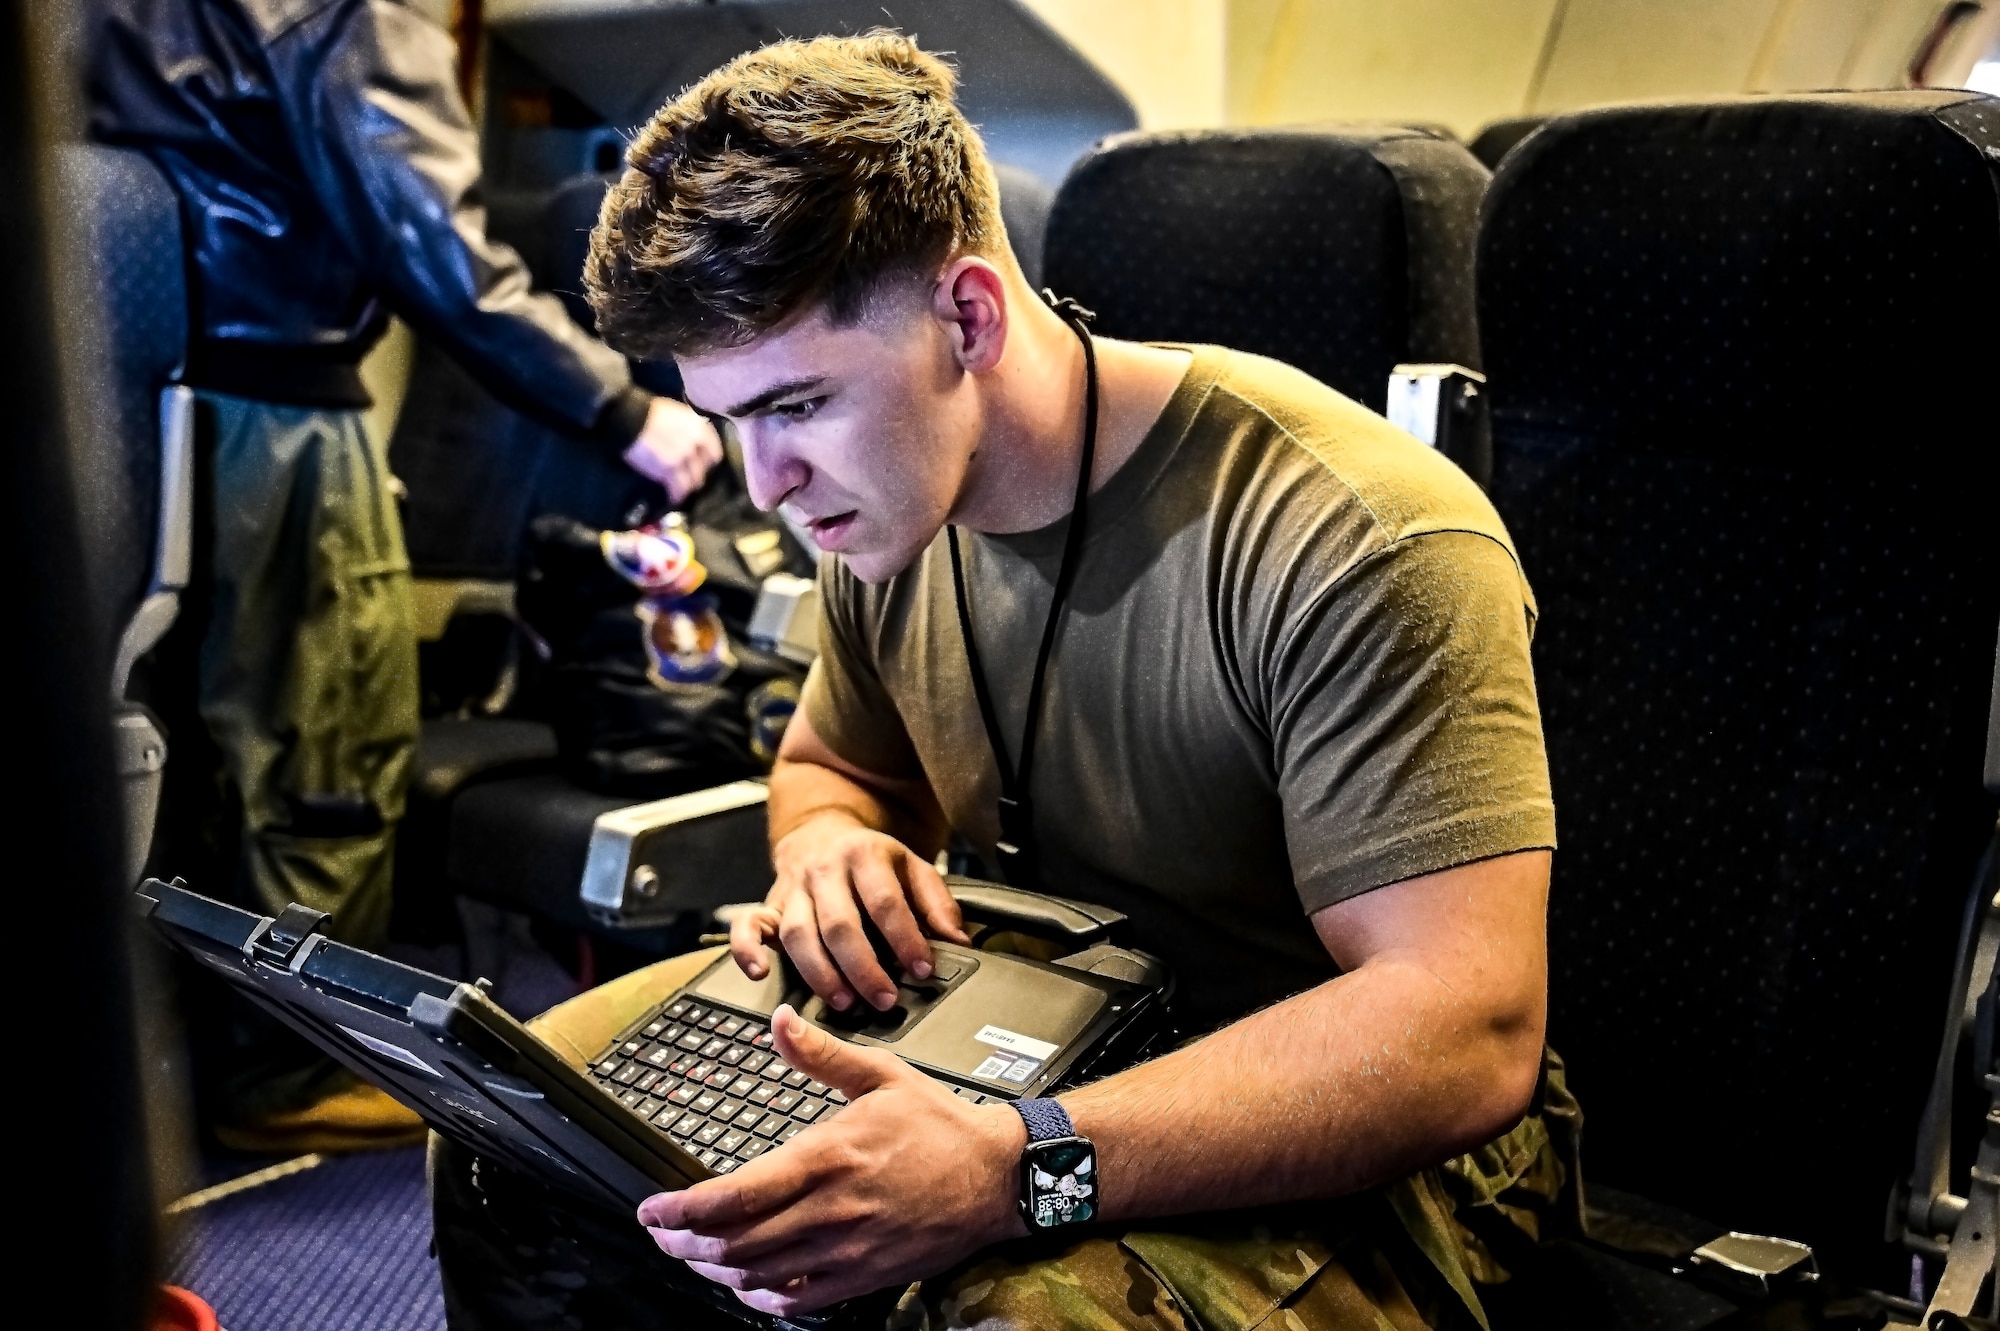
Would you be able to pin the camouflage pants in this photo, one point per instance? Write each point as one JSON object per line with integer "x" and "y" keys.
{"x": 1403, "y": 1257}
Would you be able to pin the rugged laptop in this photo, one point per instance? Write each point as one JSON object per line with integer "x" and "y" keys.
{"x": 693, "y": 1089}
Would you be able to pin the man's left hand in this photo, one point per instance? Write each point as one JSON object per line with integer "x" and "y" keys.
{"x": 905, "y": 1181}
{"x": 677, "y": 448}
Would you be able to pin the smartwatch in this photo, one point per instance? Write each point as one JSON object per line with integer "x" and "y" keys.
{"x": 1058, "y": 1169}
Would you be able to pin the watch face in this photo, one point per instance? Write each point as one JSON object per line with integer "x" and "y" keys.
{"x": 1062, "y": 1182}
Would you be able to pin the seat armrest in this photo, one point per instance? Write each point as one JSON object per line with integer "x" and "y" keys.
{"x": 648, "y": 864}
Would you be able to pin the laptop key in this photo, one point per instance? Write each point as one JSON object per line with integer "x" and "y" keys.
{"x": 727, "y": 1110}
{"x": 798, "y": 1081}
{"x": 647, "y": 1079}
{"x": 763, "y": 1039}
{"x": 784, "y": 1100}
{"x": 815, "y": 1087}
{"x": 705, "y": 1102}
{"x": 674, "y": 1011}
{"x": 728, "y": 1029}
{"x": 708, "y": 1158}
{"x": 648, "y": 1107}
{"x": 715, "y": 1047}
{"x": 653, "y": 1029}
{"x": 772, "y": 1125}
{"x": 838, "y": 1097}
{"x": 726, "y": 1164}
{"x": 701, "y": 1071}
{"x": 671, "y": 1033}
{"x": 743, "y": 1085}
{"x": 808, "y": 1109}
{"x": 607, "y": 1066}
{"x": 631, "y": 1098}
{"x": 669, "y": 1118}
{"x": 712, "y": 1020}
{"x": 628, "y": 1073}
{"x": 767, "y": 1094}
{"x": 684, "y": 1094}
{"x": 708, "y": 1132}
{"x": 734, "y": 1055}
{"x": 660, "y": 1055}
{"x": 748, "y": 1119}
{"x": 631, "y": 1048}
{"x": 692, "y": 1041}
{"x": 679, "y": 1067}
{"x": 790, "y": 1131}
{"x": 690, "y": 1013}
{"x": 730, "y": 1140}
{"x": 686, "y": 1125}
{"x": 755, "y": 1061}
{"x": 751, "y": 1149}
{"x": 723, "y": 1079}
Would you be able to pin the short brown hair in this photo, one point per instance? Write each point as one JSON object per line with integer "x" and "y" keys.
{"x": 802, "y": 172}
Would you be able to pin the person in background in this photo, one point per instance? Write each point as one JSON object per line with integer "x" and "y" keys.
{"x": 329, "y": 175}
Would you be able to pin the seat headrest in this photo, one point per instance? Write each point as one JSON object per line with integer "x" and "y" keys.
{"x": 1765, "y": 280}
{"x": 1340, "y": 249}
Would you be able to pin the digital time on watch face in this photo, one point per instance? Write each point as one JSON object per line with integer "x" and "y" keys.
{"x": 1061, "y": 1182}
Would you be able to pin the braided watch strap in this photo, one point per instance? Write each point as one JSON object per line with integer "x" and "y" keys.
{"x": 1046, "y": 1119}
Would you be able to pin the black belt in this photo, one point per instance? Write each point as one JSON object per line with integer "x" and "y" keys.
{"x": 295, "y": 376}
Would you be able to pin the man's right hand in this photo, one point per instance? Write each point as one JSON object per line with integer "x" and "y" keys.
{"x": 830, "y": 868}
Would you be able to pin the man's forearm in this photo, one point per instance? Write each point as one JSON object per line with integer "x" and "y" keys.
{"x": 1345, "y": 1086}
{"x": 802, "y": 790}
{"x": 1428, "y": 1046}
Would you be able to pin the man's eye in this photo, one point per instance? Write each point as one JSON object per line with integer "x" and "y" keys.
{"x": 798, "y": 411}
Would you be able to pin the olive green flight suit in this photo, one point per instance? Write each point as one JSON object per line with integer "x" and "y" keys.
{"x": 308, "y": 666}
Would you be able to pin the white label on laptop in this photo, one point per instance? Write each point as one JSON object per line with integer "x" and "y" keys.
{"x": 387, "y": 1050}
{"x": 1013, "y": 1042}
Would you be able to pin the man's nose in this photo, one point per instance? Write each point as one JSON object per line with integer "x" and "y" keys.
{"x": 773, "y": 471}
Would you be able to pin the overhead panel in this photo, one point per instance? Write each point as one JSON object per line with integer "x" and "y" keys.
{"x": 1038, "y": 103}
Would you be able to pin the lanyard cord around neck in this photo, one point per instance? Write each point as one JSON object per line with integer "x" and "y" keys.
{"x": 1016, "y": 845}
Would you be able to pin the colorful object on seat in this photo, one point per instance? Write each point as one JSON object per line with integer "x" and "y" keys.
{"x": 657, "y": 559}
{"x": 769, "y": 710}
{"x": 686, "y": 642}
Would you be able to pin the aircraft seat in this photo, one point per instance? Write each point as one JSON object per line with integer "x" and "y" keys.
{"x": 1344, "y": 250}
{"x": 1743, "y": 430}
{"x": 136, "y": 441}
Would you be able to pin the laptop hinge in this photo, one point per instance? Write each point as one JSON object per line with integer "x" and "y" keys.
{"x": 277, "y": 942}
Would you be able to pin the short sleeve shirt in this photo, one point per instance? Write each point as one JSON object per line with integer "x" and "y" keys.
{"x": 1293, "y": 669}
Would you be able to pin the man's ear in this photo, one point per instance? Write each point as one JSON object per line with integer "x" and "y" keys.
{"x": 971, "y": 299}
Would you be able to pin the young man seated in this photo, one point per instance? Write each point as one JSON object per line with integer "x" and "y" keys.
{"x": 1285, "y": 720}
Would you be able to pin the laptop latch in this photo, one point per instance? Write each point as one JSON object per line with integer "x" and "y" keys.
{"x": 279, "y": 941}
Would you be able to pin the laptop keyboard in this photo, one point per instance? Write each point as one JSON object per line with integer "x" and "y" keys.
{"x": 710, "y": 1079}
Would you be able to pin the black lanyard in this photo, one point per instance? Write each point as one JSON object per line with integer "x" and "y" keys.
{"x": 1019, "y": 862}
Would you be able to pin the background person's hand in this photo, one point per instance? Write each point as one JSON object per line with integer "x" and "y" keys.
{"x": 902, "y": 1183}
{"x": 677, "y": 448}
{"x": 830, "y": 868}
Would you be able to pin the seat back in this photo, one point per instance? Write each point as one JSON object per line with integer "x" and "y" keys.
{"x": 1740, "y": 359}
{"x": 1342, "y": 250}
{"x": 134, "y": 272}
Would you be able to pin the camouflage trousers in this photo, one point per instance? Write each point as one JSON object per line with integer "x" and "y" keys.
{"x": 1407, "y": 1256}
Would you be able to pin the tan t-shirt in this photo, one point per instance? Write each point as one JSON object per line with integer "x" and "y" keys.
{"x": 1294, "y": 668}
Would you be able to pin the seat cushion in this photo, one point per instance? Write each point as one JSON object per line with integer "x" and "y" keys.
{"x": 454, "y": 752}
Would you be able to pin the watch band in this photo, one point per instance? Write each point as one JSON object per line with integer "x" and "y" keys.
{"x": 1046, "y": 1119}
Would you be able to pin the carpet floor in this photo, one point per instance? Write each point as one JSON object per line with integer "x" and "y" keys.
{"x": 343, "y": 1246}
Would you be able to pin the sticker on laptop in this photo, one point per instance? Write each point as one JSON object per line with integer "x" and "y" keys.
{"x": 387, "y": 1050}
{"x": 1016, "y": 1058}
